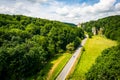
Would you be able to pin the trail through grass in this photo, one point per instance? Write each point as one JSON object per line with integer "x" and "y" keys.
{"x": 52, "y": 68}
{"x": 58, "y": 65}
{"x": 93, "y": 49}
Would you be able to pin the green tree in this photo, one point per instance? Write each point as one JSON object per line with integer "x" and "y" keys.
{"x": 70, "y": 47}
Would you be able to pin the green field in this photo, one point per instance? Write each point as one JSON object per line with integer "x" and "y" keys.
{"x": 93, "y": 49}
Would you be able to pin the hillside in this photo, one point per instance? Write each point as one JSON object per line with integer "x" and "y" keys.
{"x": 109, "y": 26}
{"x": 106, "y": 66}
{"x": 27, "y": 44}
{"x": 71, "y": 24}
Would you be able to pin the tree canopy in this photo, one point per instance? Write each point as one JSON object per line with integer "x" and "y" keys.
{"x": 27, "y": 44}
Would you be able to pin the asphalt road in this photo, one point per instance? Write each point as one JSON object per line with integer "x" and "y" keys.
{"x": 71, "y": 62}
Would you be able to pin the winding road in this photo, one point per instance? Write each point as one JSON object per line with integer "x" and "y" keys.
{"x": 71, "y": 62}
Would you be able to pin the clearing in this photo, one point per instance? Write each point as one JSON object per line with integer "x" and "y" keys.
{"x": 93, "y": 49}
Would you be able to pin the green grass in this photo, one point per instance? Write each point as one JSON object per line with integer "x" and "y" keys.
{"x": 52, "y": 68}
{"x": 93, "y": 49}
{"x": 58, "y": 66}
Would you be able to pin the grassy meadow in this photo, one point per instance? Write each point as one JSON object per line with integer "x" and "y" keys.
{"x": 93, "y": 48}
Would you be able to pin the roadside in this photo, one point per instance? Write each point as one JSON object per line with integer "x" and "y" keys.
{"x": 64, "y": 73}
{"x": 54, "y": 67}
{"x": 58, "y": 65}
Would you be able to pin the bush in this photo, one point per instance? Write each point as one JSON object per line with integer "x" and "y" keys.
{"x": 70, "y": 47}
{"x": 90, "y": 34}
{"x": 77, "y": 42}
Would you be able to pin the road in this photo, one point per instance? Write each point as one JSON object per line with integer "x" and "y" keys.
{"x": 71, "y": 62}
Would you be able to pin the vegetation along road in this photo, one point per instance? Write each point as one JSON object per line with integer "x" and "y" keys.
{"x": 71, "y": 62}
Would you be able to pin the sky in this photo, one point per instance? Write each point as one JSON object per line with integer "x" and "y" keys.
{"x": 72, "y": 11}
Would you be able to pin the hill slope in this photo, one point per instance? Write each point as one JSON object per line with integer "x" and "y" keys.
{"x": 110, "y": 26}
{"x": 27, "y": 44}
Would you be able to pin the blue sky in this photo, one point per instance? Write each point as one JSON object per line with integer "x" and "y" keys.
{"x": 91, "y": 2}
{"x": 73, "y": 11}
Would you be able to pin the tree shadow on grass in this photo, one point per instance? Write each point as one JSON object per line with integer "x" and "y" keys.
{"x": 42, "y": 74}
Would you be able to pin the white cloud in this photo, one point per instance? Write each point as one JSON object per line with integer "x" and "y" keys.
{"x": 117, "y": 6}
{"x": 84, "y": 12}
{"x": 51, "y": 9}
{"x": 42, "y": 0}
{"x": 62, "y": 11}
{"x": 104, "y": 5}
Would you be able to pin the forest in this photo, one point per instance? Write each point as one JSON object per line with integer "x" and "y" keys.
{"x": 27, "y": 44}
{"x": 109, "y": 26}
{"x": 107, "y": 65}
